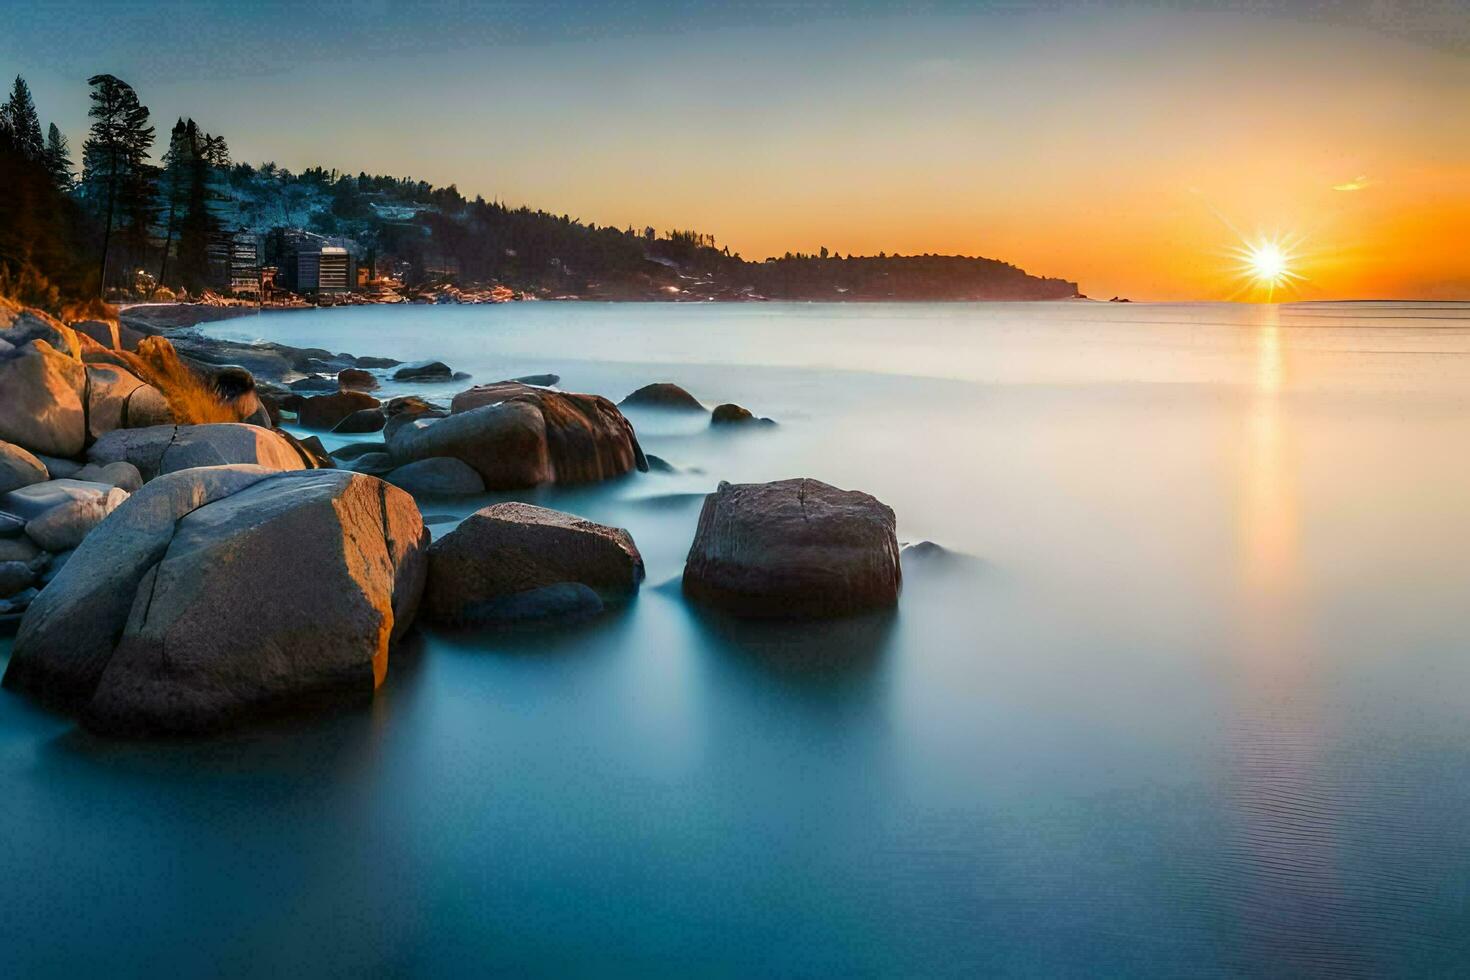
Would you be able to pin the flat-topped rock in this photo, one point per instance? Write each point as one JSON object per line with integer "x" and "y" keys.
{"x": 215, "y": 595}
{"x": 794, "y": 548}
{"x": 516, "y": 561}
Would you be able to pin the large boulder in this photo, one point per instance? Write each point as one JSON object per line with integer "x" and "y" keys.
{"x": 438, "y": 476}
{"x": 795, "y": 548}
{"x": 497, "y": 565}
{"x": 325, "y": 411}
{"x": 167, "y": 448}
{"x": 19, "y": 468}
{"x": 356, "y": 379}
{"x": 118, "y": 400}
{"x": 41, "y": 408}
{"x": 662, "y": 395}
{"x": 517, "y": 436}
{"x": 217, "y": 594}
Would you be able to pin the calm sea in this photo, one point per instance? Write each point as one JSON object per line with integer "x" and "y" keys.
{"x": 1192, "y": 697}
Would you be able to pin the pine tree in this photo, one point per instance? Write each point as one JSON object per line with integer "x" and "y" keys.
{"x": 172, "y": 185}
{"x": 22, "y": 123}
{"x": 58, "y": 159}
{"x": 115, "y": 171}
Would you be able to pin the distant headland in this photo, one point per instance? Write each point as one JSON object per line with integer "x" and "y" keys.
{"x": 198, "y": 224}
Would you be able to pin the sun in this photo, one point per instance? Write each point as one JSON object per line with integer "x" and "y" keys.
{"x": 1268, "y": 264}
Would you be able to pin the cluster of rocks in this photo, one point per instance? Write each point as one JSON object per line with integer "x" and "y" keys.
{"x": 128, "y": 536}
{"x": 669, "y": 397}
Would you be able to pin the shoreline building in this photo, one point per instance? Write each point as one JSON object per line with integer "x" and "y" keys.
{"x": 326, "y": 270}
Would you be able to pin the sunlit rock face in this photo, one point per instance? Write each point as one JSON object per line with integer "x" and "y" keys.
{"x": 160, "y": 449}
{"x": 517, "y": 436}
{"x": 217, "y": 594}
{"x": 794, "y": 548}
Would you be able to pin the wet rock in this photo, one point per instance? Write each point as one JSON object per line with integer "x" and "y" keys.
{"x": 10, "y": 525}
{"x": 216, "y": 595}
{"x": 312, "y": 383}
{"x": 121, "y": 474}
{"x": 406, "y": 408}
{"x": 731, "y": 414}
{"x": 662, "y": 395}
{"x": 356, "y": 379}
{"x": 41, "y": 409}
{"x": 424, "y": 371}
{"x": 19, "y": 468}
{"x": 795, "y": 548}
{"x": 377, "y": 362}
{"x": 657, "y": 464}
{"x": 365, "y": 420}
{"x": 437, "y": 476}
{"x": 64, "y": 526}
{"x": 509, "y": 550}
{"x": 326, "y": 411}
{"x": 540, "y": 380}
{"x": 519, "y": 436}
{"x": 168, "y": 448}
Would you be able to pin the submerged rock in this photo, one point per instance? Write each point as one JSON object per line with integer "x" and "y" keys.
{"x": 441, "y": 476}
{"x": 795, "y": 548}
{"x": 356, "y": 379}
{"x": 361, "y": 421}
{"x": 518, "y": 436}
{"x": 662, "y": 395}
{"x": 424, "y": 371}
{"x": 215, "y": 595}
{"x": 516, "y": 561}
{"x": 731, "y": 414}
{"x": 540, "y": 380}
{"x": 326, "y": 411}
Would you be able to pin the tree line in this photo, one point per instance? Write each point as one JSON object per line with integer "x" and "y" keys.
{"x": 127, "y": 226}
{"x": 137, "y": 224}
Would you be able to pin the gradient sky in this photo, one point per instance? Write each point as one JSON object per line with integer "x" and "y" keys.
{"x": 1128, "y": 146}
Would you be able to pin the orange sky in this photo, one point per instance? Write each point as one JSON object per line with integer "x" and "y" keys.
{"x": 1124, "y": 147}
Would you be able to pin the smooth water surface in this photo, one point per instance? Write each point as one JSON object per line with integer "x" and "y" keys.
{"x": 1193, "y": 698}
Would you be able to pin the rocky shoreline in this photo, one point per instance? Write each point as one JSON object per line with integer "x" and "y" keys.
{"x": 152, "y": 507}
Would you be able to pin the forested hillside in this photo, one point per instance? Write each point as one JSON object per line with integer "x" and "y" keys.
{"x": 126, "y": 227}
